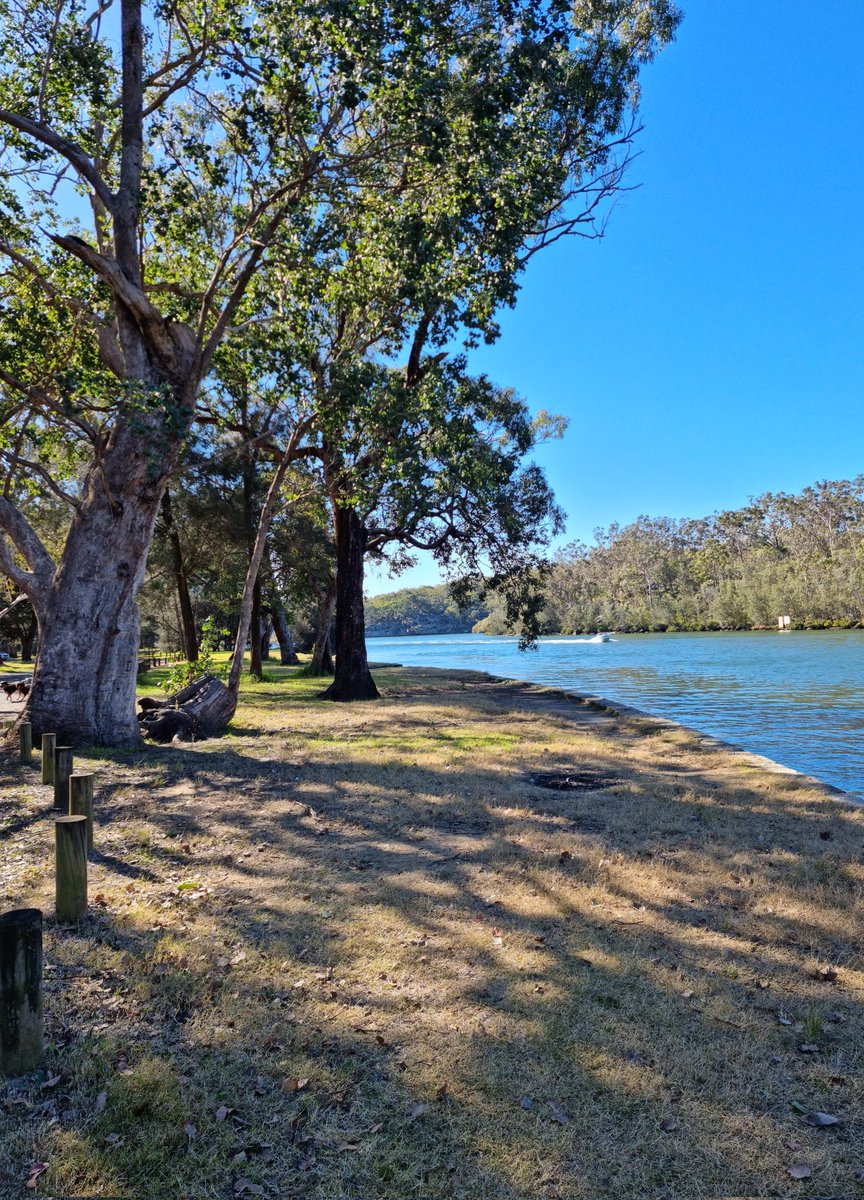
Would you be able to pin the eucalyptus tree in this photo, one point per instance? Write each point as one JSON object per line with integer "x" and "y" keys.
{"x": 438, "y": 465}
{"x": 532, "y": 135}
{"x": 431, "y": 256}
{"x": 152, "y": 168}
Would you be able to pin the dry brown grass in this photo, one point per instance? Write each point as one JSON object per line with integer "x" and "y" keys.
{"x": 493, "y": 990}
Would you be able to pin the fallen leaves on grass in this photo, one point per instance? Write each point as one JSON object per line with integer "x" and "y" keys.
{"x": 37, "y": 1170}
{"x": 799, "y": 1171}
{"x": 246, "y": 1186}
{"x": 290, "y": 1085}
{"x": 822, "y": 1119}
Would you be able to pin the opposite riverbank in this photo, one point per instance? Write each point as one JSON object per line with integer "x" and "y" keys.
{"x": 351, "y": 951}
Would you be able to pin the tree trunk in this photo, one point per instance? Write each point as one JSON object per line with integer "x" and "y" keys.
{"x": 246, "y": 621}
{"x": 322, "y": 659}
{"x": 265, "y": 636}
{"x": 84, "y": 683}
{"x": 28, "y": 637}
{"x": 352, "y": 680}
{"x": 255, "y": 632}
{"x": 89, "y": 626}
{"x": 188, "y": 632}
{"x": 201, "y": 709}
{"x": 287, "y": 653}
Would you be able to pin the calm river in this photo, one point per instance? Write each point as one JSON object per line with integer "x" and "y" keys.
{"x": 796, "y": 697}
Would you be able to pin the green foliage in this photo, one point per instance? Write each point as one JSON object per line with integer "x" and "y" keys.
{"x": 324, "y": 190}
{"x": 17, "y": 621}
{"x": 798, "y": 555}
{"x": 183, "y": 673}
{"x": 421, "y": 610}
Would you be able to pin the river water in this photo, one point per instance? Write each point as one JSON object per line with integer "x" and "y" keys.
{"x": 796, "y": 697}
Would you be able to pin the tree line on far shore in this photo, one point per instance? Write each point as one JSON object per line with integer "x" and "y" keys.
{"x": 796, "y": 555}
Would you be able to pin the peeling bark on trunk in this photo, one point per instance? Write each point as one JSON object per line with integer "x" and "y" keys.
{"x": 352, "y": 679}
{"x": 188, "y": 632}
{"x": 287, "y": 653}
{"x": 84, "y": 684}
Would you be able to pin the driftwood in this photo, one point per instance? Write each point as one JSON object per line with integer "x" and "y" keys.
{"x": 201, "y": 709}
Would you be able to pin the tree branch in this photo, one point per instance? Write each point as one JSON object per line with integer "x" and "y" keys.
{"x": 35, "y": 582}
{"x": 9, "y": 607}
{"x": 165, "y": 337}
{"x": 73, "y": 153}
{"x": 109, "y": 350}
{"x": 47, "y": 479}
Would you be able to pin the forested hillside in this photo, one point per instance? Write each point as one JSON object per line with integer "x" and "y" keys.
{"x": 420, "y": 610}
{"x": 801, "y": 555}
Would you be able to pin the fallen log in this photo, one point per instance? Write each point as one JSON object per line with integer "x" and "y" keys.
{"x": 201, "y": 709}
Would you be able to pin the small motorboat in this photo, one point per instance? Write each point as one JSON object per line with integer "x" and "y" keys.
{"x": 601, "y": 637}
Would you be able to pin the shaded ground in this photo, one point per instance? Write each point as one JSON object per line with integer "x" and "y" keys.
{"x": 354, "y": 952}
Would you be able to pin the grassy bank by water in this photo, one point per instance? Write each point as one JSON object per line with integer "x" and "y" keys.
{"x": 355, "y": 952}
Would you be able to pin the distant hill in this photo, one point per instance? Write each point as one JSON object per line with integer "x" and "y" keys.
{"x": 420, "y": 610}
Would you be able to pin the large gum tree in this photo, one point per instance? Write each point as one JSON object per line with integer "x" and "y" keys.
{"x": 532, "y": 135}
{"x": 153, "y": 163}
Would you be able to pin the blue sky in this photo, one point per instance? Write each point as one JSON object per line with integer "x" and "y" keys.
{"x": 711, "y": 346}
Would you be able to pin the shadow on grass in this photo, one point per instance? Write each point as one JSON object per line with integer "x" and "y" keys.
{"x": 493, "y": 990}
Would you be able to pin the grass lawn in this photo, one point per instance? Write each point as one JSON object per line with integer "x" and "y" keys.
{"x": 352, "y": 952}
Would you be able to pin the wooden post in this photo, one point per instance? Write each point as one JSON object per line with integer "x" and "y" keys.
{"x": 25, "y": 742}
{"x": 71, "y": 865}
{"x": 81, "y": 802}
{"x": 62, "y": 771}
{"x": 49, "y": 745}
{"x": 21, "y": 1045}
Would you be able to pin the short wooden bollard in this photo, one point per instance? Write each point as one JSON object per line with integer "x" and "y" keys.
{"x": 71, "y": 866}
{"x": 49, "y": 746}
{"x": 21, "y": 1045}
{"x": 62, "y": 771}
{"x": 25, "y": 742}
{"x": 81, "y": 802}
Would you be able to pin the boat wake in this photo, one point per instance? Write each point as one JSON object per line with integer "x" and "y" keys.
{"x": 596, "y": 640}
